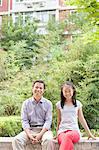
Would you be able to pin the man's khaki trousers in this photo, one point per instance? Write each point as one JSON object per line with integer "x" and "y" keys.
{"x": 21, "y": 140}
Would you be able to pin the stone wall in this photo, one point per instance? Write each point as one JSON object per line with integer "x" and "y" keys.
{"x": 84, "y": 144}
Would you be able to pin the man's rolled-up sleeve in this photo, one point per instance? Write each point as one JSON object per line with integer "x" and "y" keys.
{"x": 24, "y": 117}
{"x": 48, "y": 118}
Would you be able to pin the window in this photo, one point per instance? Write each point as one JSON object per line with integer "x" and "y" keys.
{"x": 44, "y": 17}
{"x": 40, "y": 16}
{"x": 23, "y": 17}
{"x": 52, "y": 15}
{"x": 0, "y": 2}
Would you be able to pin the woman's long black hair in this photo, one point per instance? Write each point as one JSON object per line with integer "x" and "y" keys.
{"x": 63, "y": 99}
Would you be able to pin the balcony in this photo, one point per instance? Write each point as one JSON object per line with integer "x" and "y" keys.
{"x": 34, "y": 5}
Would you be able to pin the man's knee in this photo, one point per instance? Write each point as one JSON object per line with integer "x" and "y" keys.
{"x": 19, "y": 140}
{"x": 47, "y": 136}
{"x": 15, "y": 140}
{"x": 48, "y": 144}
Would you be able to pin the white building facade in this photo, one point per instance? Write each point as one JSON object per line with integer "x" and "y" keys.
{"x": 41, "y": 10}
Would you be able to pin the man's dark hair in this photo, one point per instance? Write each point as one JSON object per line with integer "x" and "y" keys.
{"x": 40, "y": 81}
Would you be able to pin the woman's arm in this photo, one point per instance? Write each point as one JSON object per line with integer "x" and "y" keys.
{"x": 58, "y": 119}
{"x": 84, "y": 123}
{"x": 58, "y": 122}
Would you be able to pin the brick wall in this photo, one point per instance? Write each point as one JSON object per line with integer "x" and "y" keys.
{"x": 4, "y": 6}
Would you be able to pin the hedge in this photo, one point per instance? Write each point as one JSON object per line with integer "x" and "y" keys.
{"x": 10, "y": 126}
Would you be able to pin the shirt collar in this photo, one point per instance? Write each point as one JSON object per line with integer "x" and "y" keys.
{"x": 34, "y": 101}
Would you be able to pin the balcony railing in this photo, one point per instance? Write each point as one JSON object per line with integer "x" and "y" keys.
{"x": 36, "y": 3}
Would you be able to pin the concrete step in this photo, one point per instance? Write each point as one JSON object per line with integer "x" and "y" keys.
{"x": 83, "y": 144}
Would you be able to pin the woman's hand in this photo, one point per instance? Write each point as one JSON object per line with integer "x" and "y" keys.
{"x": 91, "y": 136}
{"x": 55, "y": 137}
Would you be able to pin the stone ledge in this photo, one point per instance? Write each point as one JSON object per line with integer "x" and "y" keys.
{"x": 83, "y": 144}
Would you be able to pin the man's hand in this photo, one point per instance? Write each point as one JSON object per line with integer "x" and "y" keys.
{"x": 38, "y": 136}
{"x": 33, "y": 138}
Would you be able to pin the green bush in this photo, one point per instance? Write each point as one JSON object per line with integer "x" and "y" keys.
{"x": 3, "y": 67}
{"x": 13, "y": 33}
{"x": 10, "y": 126}
{"x": 95, "y": 132}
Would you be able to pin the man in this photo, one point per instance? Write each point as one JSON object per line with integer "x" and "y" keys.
{"x": 36, "y": 115}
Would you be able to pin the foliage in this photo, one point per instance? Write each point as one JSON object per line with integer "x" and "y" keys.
{"x": 55, "y": 30}
{"x": 90, "y": 9}
{"x": 3, "y": 67}
{"x": 86, "y": 77}
{"x": 10, "y": 126}
{"x": 21, "y": 57}
{"x": 51, "y": 63}
{"x": 95, "y": 132}
{"x": 15, "y": 32}
{"x": 89, "y": 6}
{"x": 9, "y": 104}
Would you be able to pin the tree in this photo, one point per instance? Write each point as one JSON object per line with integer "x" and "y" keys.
{"x": 15, "y": 32}
{"x": 90, "y": 8}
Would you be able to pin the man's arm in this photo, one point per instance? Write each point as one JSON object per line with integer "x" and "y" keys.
{"x": 48, "y": 117}
{"x": 39, "y": 135}
{"x": 25, "y": 120}
{"x": 25, "y": 123}
{"x": 48, "y": 122}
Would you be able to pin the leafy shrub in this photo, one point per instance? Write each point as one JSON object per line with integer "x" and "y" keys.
{"x": 9, "y": 105}
{"x": 95, "y": 132}
{"x": 3, "y": 67}
{"x": 10, "y": 126}
{"x": 13, "y": 33}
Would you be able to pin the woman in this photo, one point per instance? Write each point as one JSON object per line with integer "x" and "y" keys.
{"x": 69, "y": 110}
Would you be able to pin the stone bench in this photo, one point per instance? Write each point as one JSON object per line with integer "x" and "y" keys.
{"x": 83, "y": 144}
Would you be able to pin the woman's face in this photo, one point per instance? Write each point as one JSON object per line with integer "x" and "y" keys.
{"x": 67, "y": 91}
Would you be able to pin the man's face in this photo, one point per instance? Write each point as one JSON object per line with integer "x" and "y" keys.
{"x": 38, "y": 90}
